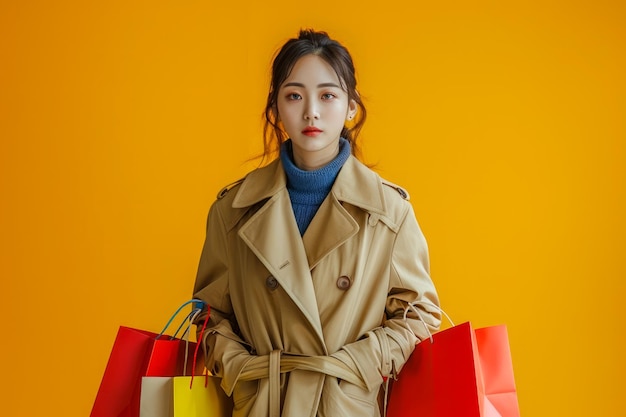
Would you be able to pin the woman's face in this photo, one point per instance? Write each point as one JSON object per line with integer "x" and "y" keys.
{"x": 313, "y": 109}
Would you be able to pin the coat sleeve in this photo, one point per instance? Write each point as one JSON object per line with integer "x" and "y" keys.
{"x": 225, "y": 352}
{"x": 383, "y": 351}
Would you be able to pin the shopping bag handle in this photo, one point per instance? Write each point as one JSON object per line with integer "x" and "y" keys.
{"x": 192, "y": 317}
{"x": 412, "y": 307}
{"x": 197, "y": 310}
{"x": 193, "y": 300}
{"x": 198, "y": 342}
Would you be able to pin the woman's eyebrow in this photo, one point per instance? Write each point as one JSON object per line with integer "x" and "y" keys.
{"x": 294, "y": 84}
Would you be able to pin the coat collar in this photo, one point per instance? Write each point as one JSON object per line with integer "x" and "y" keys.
{"x": 356, "y": 184}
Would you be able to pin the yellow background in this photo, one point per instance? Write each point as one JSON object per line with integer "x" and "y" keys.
{"x": 120, "y": 121}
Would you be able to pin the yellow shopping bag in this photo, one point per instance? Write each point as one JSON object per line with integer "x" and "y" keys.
{"x": 200, "y": 397}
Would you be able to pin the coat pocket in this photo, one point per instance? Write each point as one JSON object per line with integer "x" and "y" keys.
{"x": 346, "y": 399}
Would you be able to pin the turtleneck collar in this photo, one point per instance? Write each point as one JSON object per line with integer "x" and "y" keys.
{"x": 307, "y": 189}
{"x": 316, "y": 181}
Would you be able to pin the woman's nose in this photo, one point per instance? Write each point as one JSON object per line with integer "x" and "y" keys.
{"x": 311, "y": 111}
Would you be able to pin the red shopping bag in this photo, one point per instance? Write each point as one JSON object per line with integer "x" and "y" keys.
{"x": 459, "y": 372}
{"x": 135, "y": 354}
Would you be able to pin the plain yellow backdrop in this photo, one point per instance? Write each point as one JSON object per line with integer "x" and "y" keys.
{"x": 120, "y": 121}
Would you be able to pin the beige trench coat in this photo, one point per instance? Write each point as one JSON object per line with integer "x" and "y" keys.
{"x": 309, "y": 326}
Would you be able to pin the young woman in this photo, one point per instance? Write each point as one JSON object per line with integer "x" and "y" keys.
{"x": 310, "y": 261}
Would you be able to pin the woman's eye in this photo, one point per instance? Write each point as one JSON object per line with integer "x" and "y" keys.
{"x": 294, "y": 96}
{"x": 328, "y": 96}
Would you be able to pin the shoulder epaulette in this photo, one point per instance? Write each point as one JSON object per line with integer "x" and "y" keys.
{"x": 226, "y": 189}
{"x": 403, "y": 193}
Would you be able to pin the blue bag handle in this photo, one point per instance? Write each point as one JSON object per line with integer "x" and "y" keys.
{"x": 198, "y": 306}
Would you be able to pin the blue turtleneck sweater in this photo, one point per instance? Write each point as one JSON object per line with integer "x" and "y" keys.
{"x": 307, "y": 189}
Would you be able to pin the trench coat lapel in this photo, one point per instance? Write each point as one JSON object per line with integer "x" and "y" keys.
{"x": 272, "y": 235}
{"x": 329, "y": 229}
{"x": 332, "y": 224}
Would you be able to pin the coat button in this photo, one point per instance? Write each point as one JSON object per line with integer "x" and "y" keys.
{"x": 343, "y": 282}
{"x": 271, "y": 283}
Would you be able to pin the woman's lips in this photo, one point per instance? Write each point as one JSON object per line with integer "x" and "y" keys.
{"x": 311, "y": 131}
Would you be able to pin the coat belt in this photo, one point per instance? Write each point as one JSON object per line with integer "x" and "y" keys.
{"x": 272, "y": 365}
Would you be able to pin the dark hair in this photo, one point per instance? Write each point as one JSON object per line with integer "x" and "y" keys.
{"x": 337, "y": 56}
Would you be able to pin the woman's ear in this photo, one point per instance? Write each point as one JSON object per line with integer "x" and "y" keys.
{"x": 352, "y": 108}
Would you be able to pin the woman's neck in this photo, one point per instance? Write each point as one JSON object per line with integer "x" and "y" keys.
{"x": 311, "y": 161}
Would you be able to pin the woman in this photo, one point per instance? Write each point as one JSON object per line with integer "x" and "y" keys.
{"x": 310, "y": 261}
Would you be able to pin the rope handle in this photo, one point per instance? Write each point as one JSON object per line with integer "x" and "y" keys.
{"x": 412, "y": 307}
{"x": 192, "y": 316}
{"x": 198, "y": 343}
{"x": 193, "y": 300}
